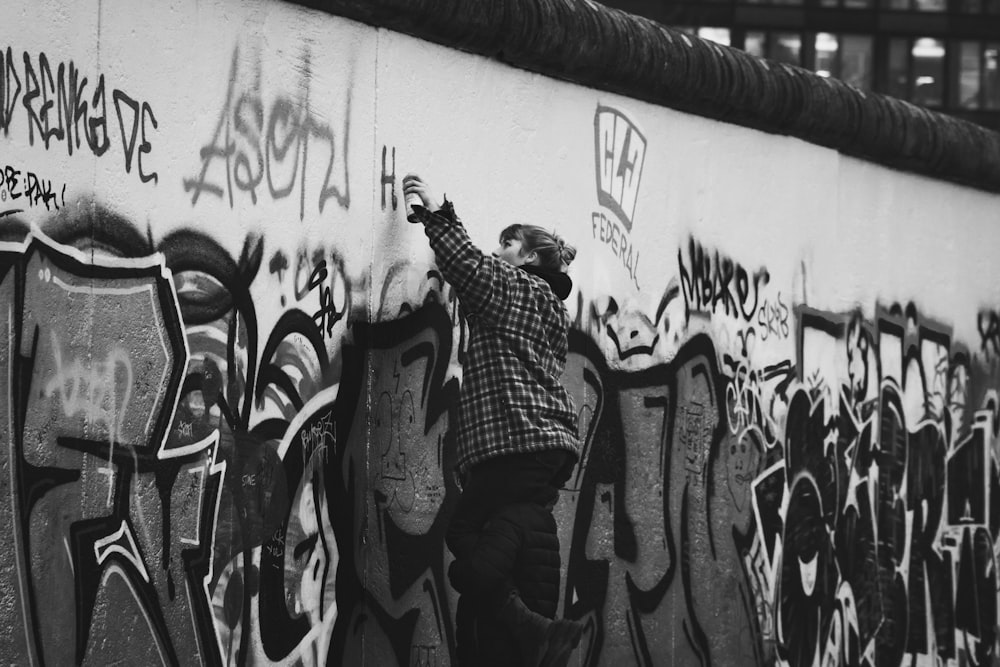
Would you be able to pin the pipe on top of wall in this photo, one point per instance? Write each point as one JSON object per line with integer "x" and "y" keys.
{"x": 608, "y": 49}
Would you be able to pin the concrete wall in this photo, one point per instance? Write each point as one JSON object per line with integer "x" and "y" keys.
{"x": 229, "y": 366}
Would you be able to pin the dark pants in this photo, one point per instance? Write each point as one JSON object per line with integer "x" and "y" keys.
{"x": 482, "y": 639}
{"x": 501, "y": 481}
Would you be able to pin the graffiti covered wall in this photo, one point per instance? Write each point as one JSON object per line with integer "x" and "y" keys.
{"x": 229, "y": 367}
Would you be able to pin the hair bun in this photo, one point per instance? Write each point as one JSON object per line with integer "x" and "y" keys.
{"x": 567, "y": 253}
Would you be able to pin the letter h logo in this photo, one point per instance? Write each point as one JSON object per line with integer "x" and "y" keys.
{"x": 620, "y": 150}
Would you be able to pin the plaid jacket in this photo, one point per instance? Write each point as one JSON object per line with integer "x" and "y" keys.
{"x": 511, "y": 399}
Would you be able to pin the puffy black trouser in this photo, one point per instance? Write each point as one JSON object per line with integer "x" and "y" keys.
{"x": 501, "y": 481}
{"x": 482, "y": 639}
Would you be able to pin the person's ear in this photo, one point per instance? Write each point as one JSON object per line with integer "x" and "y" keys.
{"x": 531, "y": 258}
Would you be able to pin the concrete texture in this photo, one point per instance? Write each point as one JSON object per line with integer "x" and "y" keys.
{"x": 229, "y": 367}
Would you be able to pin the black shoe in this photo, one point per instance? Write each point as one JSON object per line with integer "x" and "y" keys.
{"x": 543, "y": 642}
{"x": 563, "y": 636}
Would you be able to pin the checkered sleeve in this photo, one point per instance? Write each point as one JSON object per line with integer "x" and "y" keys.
{"x": 483, "y": 282}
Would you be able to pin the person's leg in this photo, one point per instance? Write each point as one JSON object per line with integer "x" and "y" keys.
{"x": 544, "y": 642}
{"x": 562, "y": 464}
{"x": 494, "y": 483}
{"x": 481, "y": 496}
{"x": 495, "y": 644}
{"x": 465, "y": 633}
{"x": 489, "y": 486}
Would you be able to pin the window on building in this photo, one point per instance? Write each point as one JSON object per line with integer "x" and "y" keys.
{"x": 975, "y": 76}
{"x": 717, "y": 35}
{"x": 967, "y": 75}
{"x": 827, "y": 51}
{"x": 755, "y": 43}
{"x": 916, "y": 5}
{"x": 846, "y": 57}
{"x": 898, "y": 79}
{"x": 979, "y": 6}
{"x": 991, "y": 76}
{"x": 856, "y": 60}
{"x": 785, "y": 47}
{"x": 928, "y": 71}
{"x": 847, "y": 4}
{"x": 916, "y": 70}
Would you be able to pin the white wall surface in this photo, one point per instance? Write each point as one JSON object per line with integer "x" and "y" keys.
{"x": 718, "y": 517}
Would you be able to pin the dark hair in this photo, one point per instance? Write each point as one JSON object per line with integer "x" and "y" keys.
{"x": 553, "y": 252}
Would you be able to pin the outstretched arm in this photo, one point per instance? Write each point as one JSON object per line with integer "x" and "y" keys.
{"x": 414, "y": 185}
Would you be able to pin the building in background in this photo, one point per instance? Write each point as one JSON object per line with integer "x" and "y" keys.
{"x": 942, "y": 54}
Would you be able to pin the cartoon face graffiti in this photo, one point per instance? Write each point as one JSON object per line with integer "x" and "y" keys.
{"x": 860, "y": 363}
{"x": 742, "y": 464}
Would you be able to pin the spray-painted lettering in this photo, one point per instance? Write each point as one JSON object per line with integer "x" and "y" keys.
{"x": 714, "y": 283}
{"x": 98, "y": 390}
{"x": 58, "y": 107}
{"x": 35, "y": 190}
{"x": 259, "y": 142}
{"x": 609, "y": 232}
